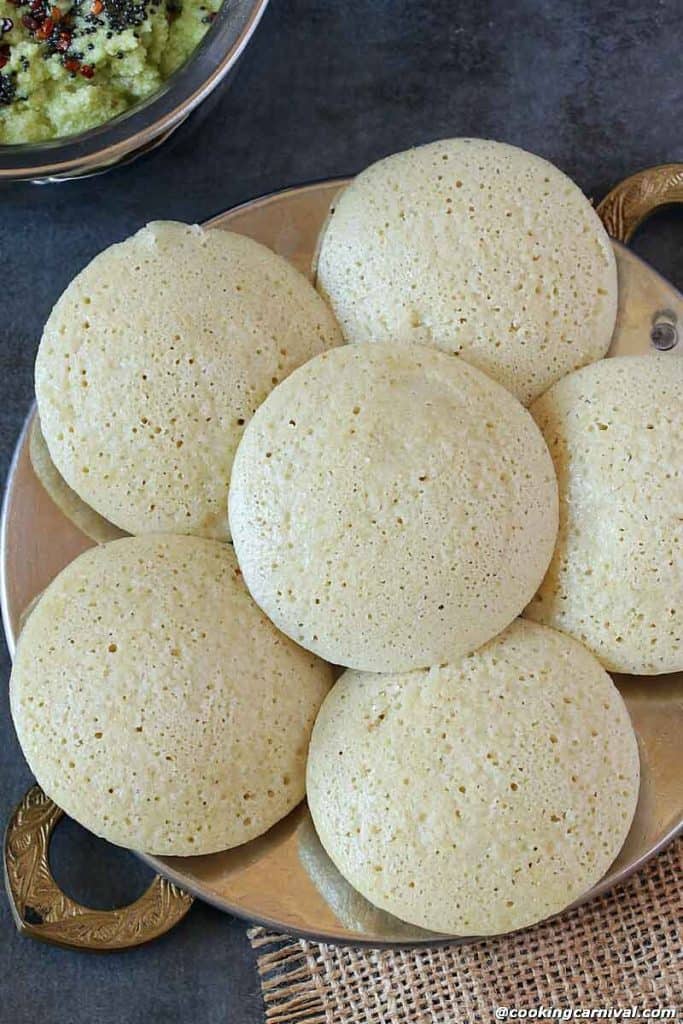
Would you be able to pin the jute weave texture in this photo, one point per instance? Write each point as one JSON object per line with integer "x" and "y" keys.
{"x": 623, "y": 949}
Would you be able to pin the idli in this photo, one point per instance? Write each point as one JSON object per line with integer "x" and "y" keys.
{"x": 153, "y": 360}
{"x": 156, "y": 704}
{"x": 615, "y": 433}
{"x": 481, "y": 796}
{"x": 392, "y": 507}
{"x": 83, "y": 516}
{"x": 477, "y": 248}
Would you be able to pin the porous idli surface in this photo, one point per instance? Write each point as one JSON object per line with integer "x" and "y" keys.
{"x": 392, "y": 507}
{"x": 615, "y": 582}
{"x": 481, "y": 796}
{"x": 477, "y": 248}
{"x": 153, "y": 360}
{"x": 157, "y": 705}
{"x": 83, "y": 516}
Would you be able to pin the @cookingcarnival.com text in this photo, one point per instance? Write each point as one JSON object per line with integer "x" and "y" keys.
{"x": 585, "y": 1013}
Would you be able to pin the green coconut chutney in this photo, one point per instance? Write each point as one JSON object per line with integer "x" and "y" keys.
{"x": 69, "y": 65}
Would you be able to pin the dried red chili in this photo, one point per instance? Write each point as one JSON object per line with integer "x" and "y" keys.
{"x": 45, "y": 30}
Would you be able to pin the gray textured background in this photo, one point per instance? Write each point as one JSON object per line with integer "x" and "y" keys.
{"x": 325, "y": 87}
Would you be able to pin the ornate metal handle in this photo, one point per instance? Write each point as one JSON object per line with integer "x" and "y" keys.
{"x": 632, "y": 200}
{"x": 42, "y": 911}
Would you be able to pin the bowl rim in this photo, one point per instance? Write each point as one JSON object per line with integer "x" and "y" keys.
{"x": 149, "y": 120}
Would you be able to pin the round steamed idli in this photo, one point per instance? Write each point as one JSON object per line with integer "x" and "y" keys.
{"x": 156, "y": 704}
{"x": 392, "y": 507}
{"x": 615, "y": 582}
{"x": 480, "y": 249}
{"x": 83, "y": 516}
{"x": 155, "y": 357}
{"x": 477, "y": 797}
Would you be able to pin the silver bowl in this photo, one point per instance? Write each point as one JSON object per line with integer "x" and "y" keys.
{"x": 148, "y": 123}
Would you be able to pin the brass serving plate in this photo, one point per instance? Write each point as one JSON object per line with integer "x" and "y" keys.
{"x": 284, "y": 880}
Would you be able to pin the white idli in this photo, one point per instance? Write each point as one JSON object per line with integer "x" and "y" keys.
{"x": 155, "y": 357}
{"x": 615, "y": 433}
{"x": 83, "y": 516}
{"x": 480, "y": 249}
{"x": 155, "y": 703}
{"x": 392, "y": 507}
{"x": 478, "y": 797}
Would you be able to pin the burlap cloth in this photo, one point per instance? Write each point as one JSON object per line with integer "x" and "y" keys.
{"x": 621, "y": 950}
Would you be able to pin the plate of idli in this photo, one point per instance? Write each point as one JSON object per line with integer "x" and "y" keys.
{"x": 341, "y": 557}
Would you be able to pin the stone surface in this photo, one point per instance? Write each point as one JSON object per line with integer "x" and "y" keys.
{"x": 324, "y": 88}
